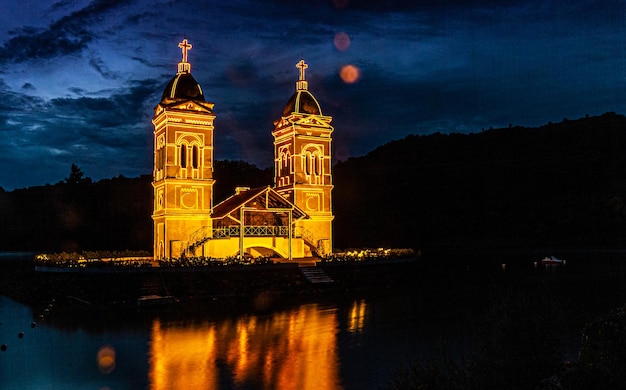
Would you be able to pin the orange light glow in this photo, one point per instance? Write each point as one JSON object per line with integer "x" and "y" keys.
{"x": 341, "y": 41}
{"x": 279, "y": 352}
{"x": 356, "y": 321}
{"x": 185, "y": 47}
{"x": 350, "y": 74}
{"x": 106, "y": 359}
{"x": 180, "y": 358}
{"x": 302, "y": 66}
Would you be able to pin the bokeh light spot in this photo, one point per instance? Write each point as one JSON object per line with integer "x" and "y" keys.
{"x": 341, "y": 41}
{"x": 350, "y": 74}
{"x": 341, "y": 4}
{"x": 106, "y": 359}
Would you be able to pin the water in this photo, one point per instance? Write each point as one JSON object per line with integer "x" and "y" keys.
{"x": 307, "y": 346}
{"x": 343, "y": 342}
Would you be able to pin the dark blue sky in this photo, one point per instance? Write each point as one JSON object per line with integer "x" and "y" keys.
{"x": 79, "y": 79}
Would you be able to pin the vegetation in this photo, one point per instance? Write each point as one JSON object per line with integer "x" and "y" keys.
{"x": 113, "y": 214}
{"x": 602, "y": 361}
{"x": 379, "y": 254}
{"x": 519, "y": 348}
{"x": 559, "y": 184}
{"x": 229, "y": 175}
{"x": 77, "y": 176}
{"x": 94, "y": 259}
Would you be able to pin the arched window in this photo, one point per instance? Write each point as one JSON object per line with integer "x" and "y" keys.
{"x": 307, "y": 163}
{"x": 284, "y": 164}
{"x": 320, "y": 165}
{"x": 160, "y": 154}
{"x": 316, "y": 162}
{"x": 313, "y": 162}
{"x": 183, "y": 156}
{"x": 194, "y": 156}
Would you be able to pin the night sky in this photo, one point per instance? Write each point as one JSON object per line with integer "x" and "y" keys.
{"x": 79, "y": 79}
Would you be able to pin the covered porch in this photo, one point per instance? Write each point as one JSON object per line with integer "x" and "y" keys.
{"x": 253, "y": 222}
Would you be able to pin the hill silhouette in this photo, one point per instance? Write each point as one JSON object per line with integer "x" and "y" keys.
{"x": 555, "y": 185}
{"x": 111, "y": 214}
{"x": 559, "y": 184}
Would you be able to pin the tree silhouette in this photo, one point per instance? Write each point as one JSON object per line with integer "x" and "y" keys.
{"x": 76, "y": 176}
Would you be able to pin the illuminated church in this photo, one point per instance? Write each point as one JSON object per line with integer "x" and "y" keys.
{"x": 292, "y": 219}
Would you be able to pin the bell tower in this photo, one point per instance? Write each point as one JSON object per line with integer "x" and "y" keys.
{"x": 183, "y": 161}
{"x": 302, "y": 163}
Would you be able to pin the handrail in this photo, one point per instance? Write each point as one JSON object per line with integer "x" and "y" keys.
{"x": 301, "y": 232}
{"x": 206, "y": 233}
{"x": 200, "y": 234}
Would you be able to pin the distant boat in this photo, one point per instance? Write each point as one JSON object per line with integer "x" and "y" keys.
{"x": 552, "y": 260}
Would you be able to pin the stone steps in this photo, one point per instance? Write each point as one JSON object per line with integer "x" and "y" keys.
{"x": 315, "y": 275}
{"x": 151, "y": 284}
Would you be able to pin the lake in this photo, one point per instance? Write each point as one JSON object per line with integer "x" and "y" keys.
{"x": 343, "y": 341}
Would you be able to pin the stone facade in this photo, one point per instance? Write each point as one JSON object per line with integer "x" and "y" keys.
{"x": 185, "y": 220}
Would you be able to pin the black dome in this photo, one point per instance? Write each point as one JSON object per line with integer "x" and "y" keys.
{"x": 183, "y": 86}
{"x": 302, "y": 102}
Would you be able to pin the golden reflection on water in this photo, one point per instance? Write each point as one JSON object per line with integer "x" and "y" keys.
{"x": 289, "y": 350}
{"x": 356, "y": 320}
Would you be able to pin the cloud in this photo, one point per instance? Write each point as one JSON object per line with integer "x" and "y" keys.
{"x": 28, "y": 87}
{"x": 61, "y": 5}
{"x": 104, "y": 136}
{"x": 43, "y": 44}
{"x": 77, "y": 91}
{"x": 65, "y": 36}
{"x": 102, "y": 68}
{"x": 86, "y": 83}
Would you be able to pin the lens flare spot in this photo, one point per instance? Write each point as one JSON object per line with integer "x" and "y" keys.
{"x": 350, "y": 74}
{"x": 341, "y": 41}
{"x": 341, "y": 4}
{"x": 106, "y": 359}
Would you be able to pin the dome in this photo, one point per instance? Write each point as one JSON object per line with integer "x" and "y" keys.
{"x": 183, "y": 86}
{"x": 302, "y": 102}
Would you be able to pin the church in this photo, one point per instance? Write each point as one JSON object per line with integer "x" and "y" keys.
{"x": 291, "y": 219}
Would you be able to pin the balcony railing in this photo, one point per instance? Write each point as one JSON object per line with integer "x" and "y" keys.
{"x": 206, "y": 233}
{"x": 250, "y": 231}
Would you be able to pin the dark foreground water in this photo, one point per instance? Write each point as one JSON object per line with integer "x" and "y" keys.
{"x": 343, "y": 342}
{"x": 308, "y": 346}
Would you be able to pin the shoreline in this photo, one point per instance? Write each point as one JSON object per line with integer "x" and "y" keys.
{"x": 123, "y": 286}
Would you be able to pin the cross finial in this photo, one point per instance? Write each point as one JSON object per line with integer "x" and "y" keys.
{"x": 302, "y": 65}
{"x": 185, "y": 46}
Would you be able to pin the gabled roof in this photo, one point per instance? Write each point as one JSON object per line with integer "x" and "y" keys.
{"x": 261, "y": 198}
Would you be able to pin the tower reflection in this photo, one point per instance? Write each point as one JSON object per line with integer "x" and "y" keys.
{"x": 296, "y": 349}
{"x": 356, "y": 320}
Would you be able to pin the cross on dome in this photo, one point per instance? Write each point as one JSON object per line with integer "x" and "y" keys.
{"x": 185, "y": 46}
{"x": 302, "y": 65}
{"x": 183, "y": 65}
{"x": 302, "y": 84}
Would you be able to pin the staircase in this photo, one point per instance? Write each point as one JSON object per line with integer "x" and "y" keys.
{"x": 316, "y": 275}
{"x": 309, "y": 240}
{"x": 151, "y": 284}
{"x": 198, "y": 238}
